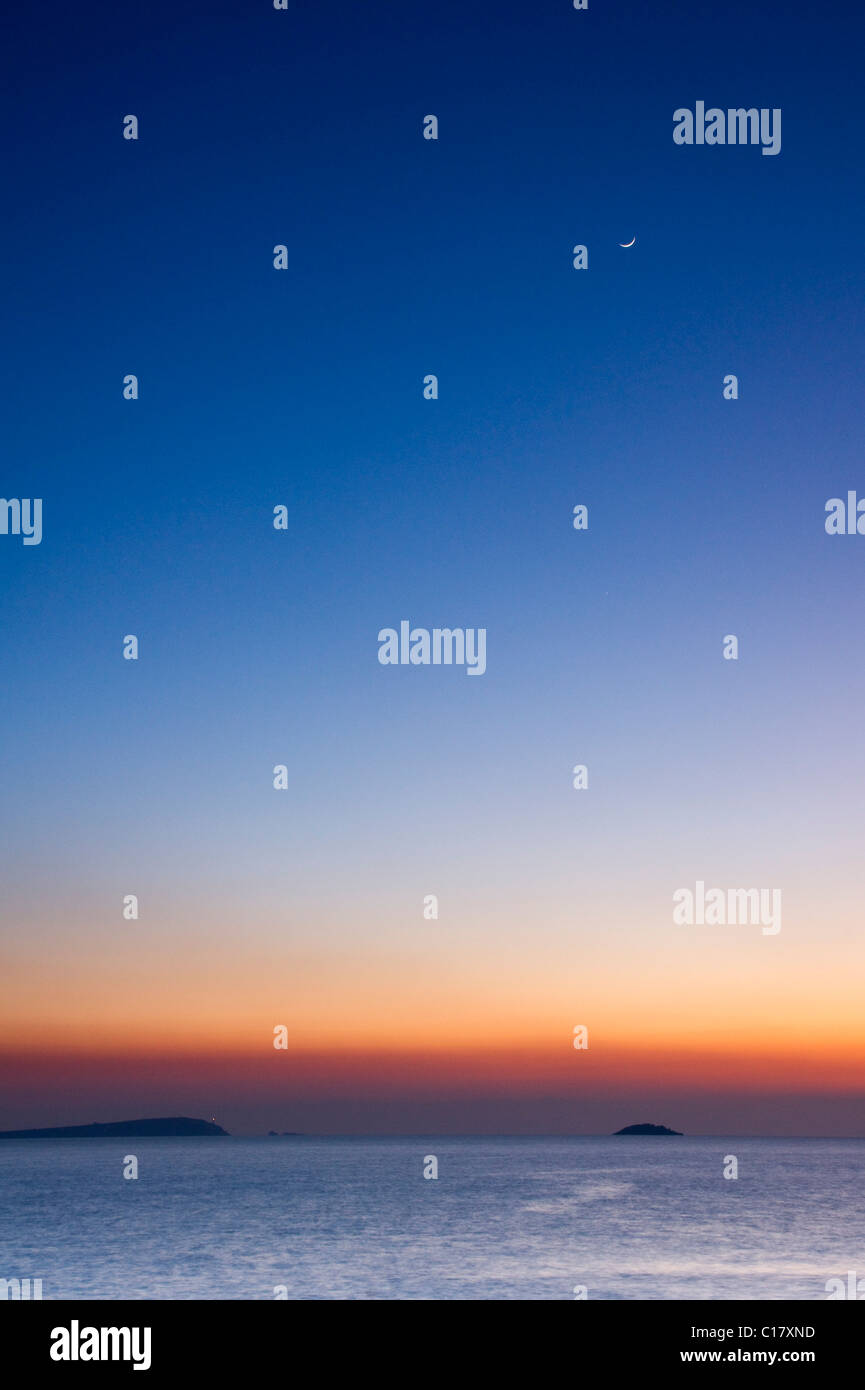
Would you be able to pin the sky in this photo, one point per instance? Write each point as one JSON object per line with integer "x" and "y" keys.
{"x": 258, "y": 387}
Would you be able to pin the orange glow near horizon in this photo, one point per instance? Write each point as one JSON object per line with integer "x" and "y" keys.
{"x": 703, "y": 1065}
{"x": 432, "y": 1017}
{"x": 391, "y": 1007}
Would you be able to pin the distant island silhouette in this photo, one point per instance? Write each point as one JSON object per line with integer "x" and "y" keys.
{"x": 177, "y": 1127}
{"x": 648, "y": 1129}
{"x": 286, "y": 1134}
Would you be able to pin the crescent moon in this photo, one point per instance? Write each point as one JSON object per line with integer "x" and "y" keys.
{"x": 625, "y": 244}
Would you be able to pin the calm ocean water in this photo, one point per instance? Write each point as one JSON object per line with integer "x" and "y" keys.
{"x": 506, "y": 1218}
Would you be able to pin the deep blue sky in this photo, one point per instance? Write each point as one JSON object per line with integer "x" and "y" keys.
{"x": 305, "y": 388}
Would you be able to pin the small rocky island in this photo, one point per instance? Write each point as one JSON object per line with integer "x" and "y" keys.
{"x": 648, "y": 1129}
{"x": 176, "y": 1127}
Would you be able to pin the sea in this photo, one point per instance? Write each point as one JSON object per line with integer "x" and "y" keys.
{"x": 505, "y": 1218}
